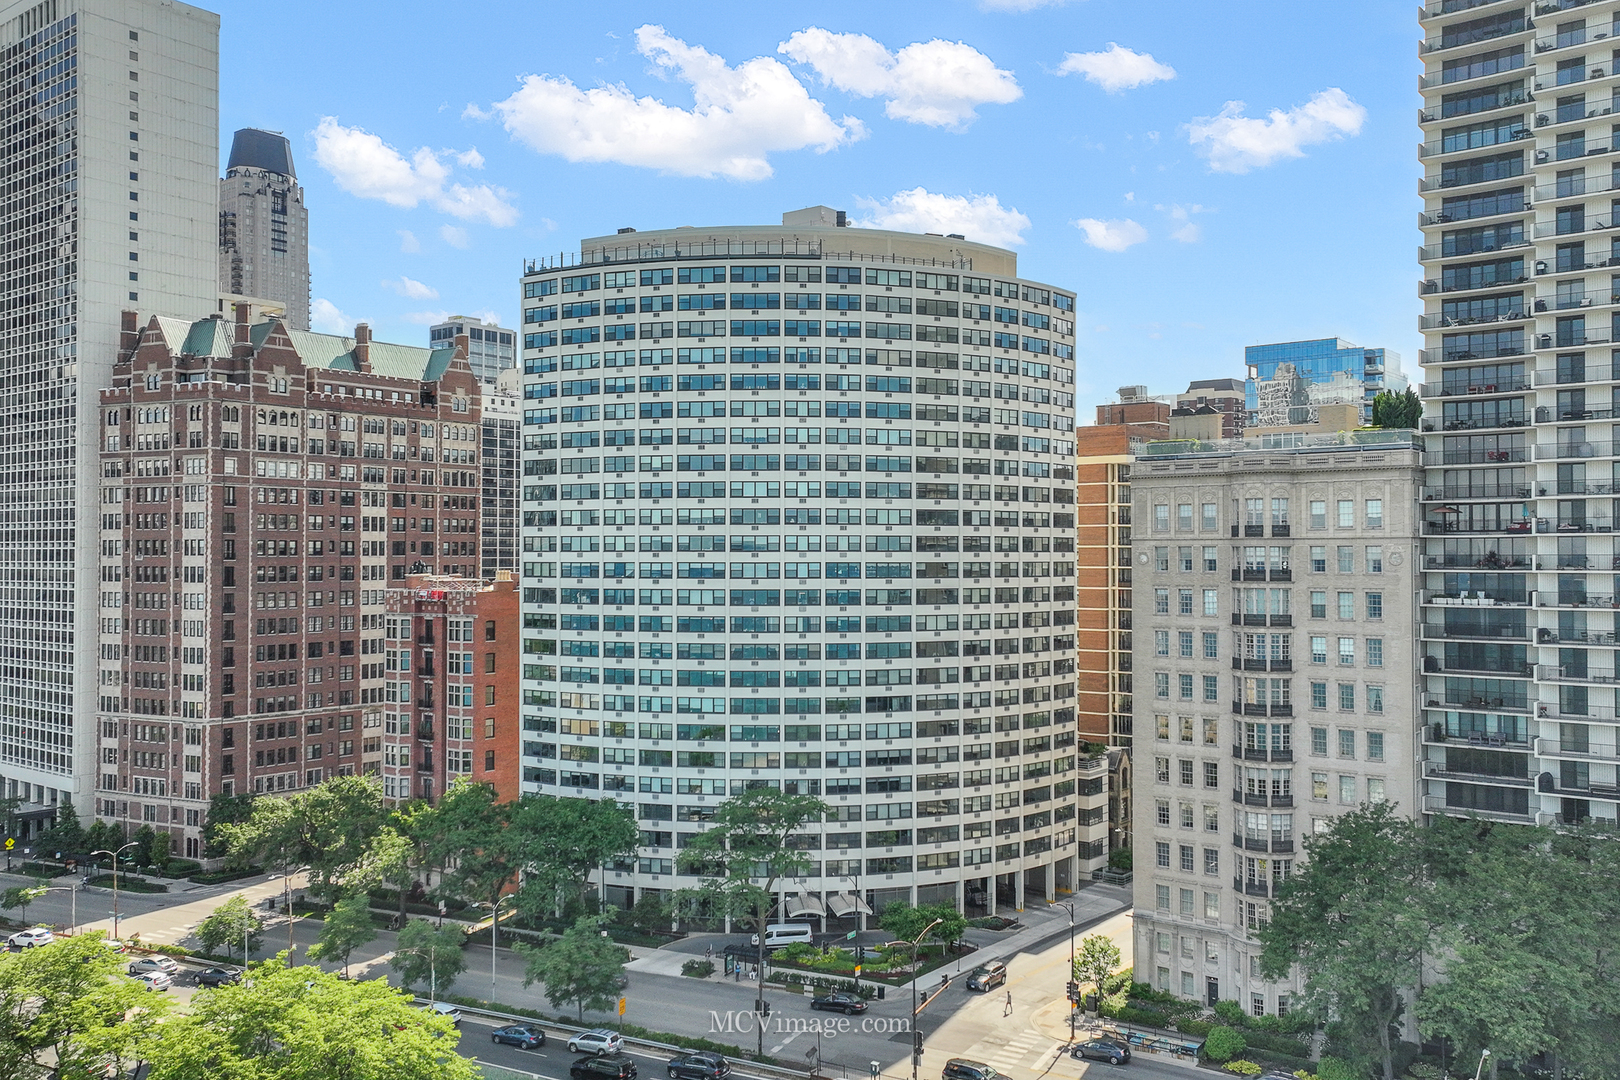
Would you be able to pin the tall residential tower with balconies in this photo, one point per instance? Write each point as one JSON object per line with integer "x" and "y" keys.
{"x": 799, "y": 511}
{"x": 1521, "y": 290}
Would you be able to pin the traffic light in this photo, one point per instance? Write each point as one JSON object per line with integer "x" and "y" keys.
{"x": 1074, "y": 993}
{"x": 917, "y": 1043}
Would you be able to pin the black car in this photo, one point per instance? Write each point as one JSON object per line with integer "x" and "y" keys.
{"x": 966, "y": 1069}
{"x": 699, "y": 1066}
{"x": 218, "y": 976}
{"x": 603, "y": 1067}
{"x": 837, "y": 1001}
{"x": 523, "y": 1036}
{"x": 1109, "y": 1050}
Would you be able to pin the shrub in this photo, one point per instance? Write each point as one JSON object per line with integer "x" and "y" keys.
{"x": 698, "y": 969}
{"x": 1231, "y": 1013}
{"x": 1117, "y": 982}
{"x": 181, "y": 868}
{"x": 129, "y": 884}
{"x": 1242, "y": 1068}
{"x": 39, "y": 869}
{"x": 1420, "y": 1070}
{"x": 1119, "y": 859}
{"x": 1332, "y": 1068}
{"x": 1134, "y": 1014}
{"x": 220, "y": 877}
{"x": 1196, "y": 1028}
{"x": 1223, "y": 1044}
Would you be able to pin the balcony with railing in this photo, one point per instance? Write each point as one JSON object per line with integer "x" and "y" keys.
{"x": 1516, "y": 99}
{"x": 1568, "y": 414}
{"x": 1261, "y": 573}
{"x": 1250, "y": 663}
{"x": 1449, "y": 355}
{"x": 1548, "y": 784}
{"x": 1439, "y": 321}
{"x": 1246, "y": 619}
{"x": 1432, "y": 631}
{"x": 1475, "y": 493}
{"x": 1546, "y": 635}
{"x": 1568, "y": 599}
{"x": 1436, "y": 770}
{"x": 1566, "y": 375}
{"x": 1503, "y": 419}
{"x": 1575, "y": 76}
{"x": 1430, "y": 286}
{"x": 1460, "y": 701}
{"x": 1510, "y": 736}
{"x": 1436, "y": 804}
{"x": 1428, "y": 218}
{"x": 1247, "y": 708}
{"x": 1260, "y": 753}
{"x": 1565, "y": 673}
{"x": 1250, "y": 888}
{"x": 1442, "y": 147}
{"x": 1577, "y": 487}
{"x": 1276, "y": 844}
{"x": 1546, "y": 229}
{"x": 1572, "y": 449}
{"x": 1250, "y": 798}
{"x": 1569, "y": 39}
{"x": 1577, "y": 713}
{"x": 1474, "y": 599}
{"x": 1453, "y": 456}
{"x": 1466, "y": 665}
{"x": 1451, "y": 526}
{"x": 1569, "y": 751}
{"x": 1487, "y": 386}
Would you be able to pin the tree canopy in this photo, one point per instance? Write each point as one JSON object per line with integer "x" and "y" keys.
{"x": 583, "y": 966}
{"x": 327, "y": 828}
{"x": 1392, "y": 410}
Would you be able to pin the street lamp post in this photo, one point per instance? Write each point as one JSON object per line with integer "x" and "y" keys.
{"x": 1481, "y": 1067}
{"x": 1073, "y": 1006}
{"x": 494, "y": 932}
{"x": 916, "y": 1034}
{"x": 113, "y": 855}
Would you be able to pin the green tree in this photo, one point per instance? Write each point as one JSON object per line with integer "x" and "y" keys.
{"x": 21, "y": 896}
{"x": 562, "y": 842}
{"x": 223, "y": 929}
{"x": 745, "y": 851}
{"x": 1095, "y": 960}
{"x": 425, "y": 955}
{"x": 1392, "y": 410}
{"x": 326, "y": 830}
{"x": 66, "y": 835}
{"x": 63, "y": 1007}
{"x": 906, "y": 923}
{"x": 583, "y": 966}
{"x": 306, "y": 1024}
{"x": 347, "y": 927}
{"x": 141, "y": 853}
{"x": 224, "y": 810}
{"x": 1353, "y": 917}
{"x": 103, "y": 836}
{"x": 1223, "y": 1044}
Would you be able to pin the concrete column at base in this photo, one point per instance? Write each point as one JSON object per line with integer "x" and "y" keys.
{"x": 1018, "y": 889}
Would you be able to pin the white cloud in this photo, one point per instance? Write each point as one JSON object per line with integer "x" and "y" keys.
{"x": 739, "y": 116}
{"x": 1116, "y": 234}
{"x": 980, "y": 218}
{"x": 454, "y": 235}
{"x": 408, "y": 243}
{"x": 1236, "y": 143}
{"x": 1117, "y": 68}
{"x": 472, "y": 159}
{"x": 411, "y": 289}
{"x": 365, "y": 166}
{"x": 937, "y": 82}
{"x": 425, "y": 318}
{"x": 325, "y": 317}
{"x": 1189, "y": 232}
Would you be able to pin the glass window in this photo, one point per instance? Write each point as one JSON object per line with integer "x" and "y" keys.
{"x": 1375, "y": 789}
{"x": 1184, "y": 557}
{"x": 1318, "y": 604}
{"x": 1184, "y": 684}
{"x": 1161, "y": 642}
{"x": 1184, "y": 517}
{"x": 1186, "y": 773}
{"x": 1161, "y": 854}
{"x": 1186, "y": 815}
{"x": 1161, "y": 601}
{"x": 1375, "y": 513}
{"x": 1161, "y": 900}
{"x": 1375, "y": 605}
{"x": 1212, "y": 905}
{"x": 1208, "y": 521}
{"x": 1347, "y": 513}
{"x": 1347, "y": 605}
{"x": 1212, "y": 646}
{"x": 1212, "y": 688}
{"x": 1163, "y": 724}
{"x": 1184, "y": 603}
{"x": 1347, "y": 743}
{"x": 1375, "y": 746}
{"x": 1375, "y": 699}
{"x": 1375, "y": 652}
{"x": 1161, "y": 558}
{"x": 1347, "y": 792}
{"x": 1347, "y": 651}
{"x": 1318, "y": 513}
{"x": 1319, "y": 739}
{"x": 1319, "y": 786}
{"x": 1187, "y": 897}
{"x": 1161, "y": 769}
{"x": 1212, "y": 819}
{"x": 1279, "y": 512}
{"x": 1212, "y": 732}
{"x": 1212, "y": 603}
{"x": 1161, "y": 517}
{"x": 1318, "y": 559}
{"x": 1161, "y": 809}
{"x": 1347, "y": 559}
{"x": 1161, "y": 684}
{"x": 1186, "y": 729}
{"x": 1184, "y": 643}
{"x": 1186, "y": 865}
{"x": 1210, "y": 563}
{"x": 1375, "y": 559}
{"x": 1212, "y": 861}
{"x": 1318, "y": 695}
{"x": 1212, "y": 774}
{"x": 1318, "y": 650}
{"x": 1347, "y": 696}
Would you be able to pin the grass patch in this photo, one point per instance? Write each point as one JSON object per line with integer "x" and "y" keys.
{"x": 220, "y": 877}
{"x": 129, "y": 884}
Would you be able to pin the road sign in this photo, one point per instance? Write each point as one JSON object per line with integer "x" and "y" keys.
{"x": 847, "y": 937}
{"x": 621, "y": 1006}
{"x": 11, "y": 842}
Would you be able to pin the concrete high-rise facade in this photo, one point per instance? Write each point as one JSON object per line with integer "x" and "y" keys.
{"x": 1521, "y": 295}
{"x": 113, "y": 110}
{"x": 262, "y": 491}
{"x": 1275, "y": 609}
{"x": 264, "y": 225}
{"x": 501, "y": 422}
{"x": 799, "y": 511}
{"x": 491, "y": 348}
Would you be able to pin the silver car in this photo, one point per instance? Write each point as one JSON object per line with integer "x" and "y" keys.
{"x": 596, "y": 1041}
{"x": 161, "y": 964}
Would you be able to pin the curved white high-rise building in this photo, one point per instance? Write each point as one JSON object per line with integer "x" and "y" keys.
{"x": 798, "y": 509}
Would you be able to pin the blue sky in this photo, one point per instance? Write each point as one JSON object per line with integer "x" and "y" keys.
{"x": 432, "y": 169}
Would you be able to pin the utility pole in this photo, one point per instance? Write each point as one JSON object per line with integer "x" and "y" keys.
{"x": 113, "y": 855}
{"x": 916, "y": 1032}
{"x": 1075, "y": 998}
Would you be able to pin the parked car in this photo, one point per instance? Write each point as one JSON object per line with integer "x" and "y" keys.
{"x": 445, "y": 1009}
{"x": 838, "y": 1001}
{"x": 603, "y": 1067}
{"x": 153, "y": 980}
{"x": 987, "y": 976}
{"x": 1115, "y": 1052}
{"x": 113, "y": 944}
{"x": 596, "y": 1041}
{"x": 154, "y": 963}
{"x": 29, "y": 939}
{"x": 522, "y": 1036}
{"x": 702, "y": 1065}
{"x": 965, "y": 1069}
{"x": 218, "y": 976}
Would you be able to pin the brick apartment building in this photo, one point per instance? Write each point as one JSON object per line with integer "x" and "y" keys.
{"x": 261, "y": 489}
{"x": 452, "y": 695}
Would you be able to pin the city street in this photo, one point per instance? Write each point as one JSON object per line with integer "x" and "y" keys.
{"x": 1026, "y": 1044}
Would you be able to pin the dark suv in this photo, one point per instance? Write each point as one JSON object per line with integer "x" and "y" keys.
{"x": 963, "y": 1069}
{"x": 603, "y": 1067}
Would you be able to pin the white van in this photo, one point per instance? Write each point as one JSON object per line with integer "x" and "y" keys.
{"x": 780, "y": 934}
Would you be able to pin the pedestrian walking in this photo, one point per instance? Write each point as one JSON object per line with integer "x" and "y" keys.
{"x": 1007, "y": 1009}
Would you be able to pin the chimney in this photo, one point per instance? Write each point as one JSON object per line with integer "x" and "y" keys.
{"x": 241, "y": 344}
{"x": 460, "y": 352}
{"x": 129, "y": 334}
{"x": 362, "y": 347}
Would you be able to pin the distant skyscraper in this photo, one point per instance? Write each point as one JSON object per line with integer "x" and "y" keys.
{"x": 1325, "y": 371}
{"x": 114, "y": 113}
{"x": 491, "y": 350}
{"x": 264, "y": 226}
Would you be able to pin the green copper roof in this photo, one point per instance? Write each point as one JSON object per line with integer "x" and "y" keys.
{"x": 333, "y": 352}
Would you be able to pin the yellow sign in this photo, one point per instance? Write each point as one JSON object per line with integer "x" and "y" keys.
{"x": 10, "y": 843}
{"x": 621, "y": 1006}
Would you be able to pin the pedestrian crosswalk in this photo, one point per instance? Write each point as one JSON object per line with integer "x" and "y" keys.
{"x": 1021, "y": 1050}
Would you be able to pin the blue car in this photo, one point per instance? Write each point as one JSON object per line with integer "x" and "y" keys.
{"x": 522, "y": 1036}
